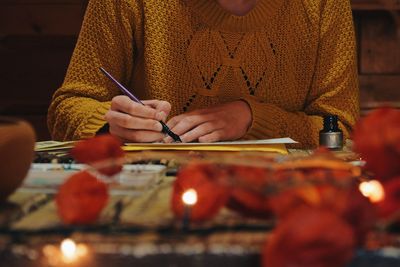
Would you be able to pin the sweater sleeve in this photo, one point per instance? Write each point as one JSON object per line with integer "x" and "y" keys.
{"x": 334, "y": 89}
{"x": 106, "y": 40}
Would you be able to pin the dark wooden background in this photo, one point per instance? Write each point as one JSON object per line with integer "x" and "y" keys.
{"x": 37, "y": 38}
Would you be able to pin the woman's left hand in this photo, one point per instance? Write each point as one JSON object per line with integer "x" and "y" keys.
{"x": 228, "y": 121}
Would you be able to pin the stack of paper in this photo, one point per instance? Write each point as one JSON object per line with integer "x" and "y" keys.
{"x": 53, "y": 145}
{"x": 267, "y": 145}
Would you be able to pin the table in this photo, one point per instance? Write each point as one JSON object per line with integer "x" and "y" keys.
{"x": 139, "y": 229}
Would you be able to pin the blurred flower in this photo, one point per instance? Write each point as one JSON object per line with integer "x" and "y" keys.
{"x": 100, "y": 149}
{"x": 377, "y": 139}
{"x": 310, "y": 237}
{"x": 313, "y": 187}
{"x": 205, "y": 180}
{"x": 360, "y": 213}
{"x": 389, "y": 208}
{"x": 293, "y": 198}
{"x": 81, "y": 198}
{"x": 348, "y": 203}
{"x": 246, "y": 196}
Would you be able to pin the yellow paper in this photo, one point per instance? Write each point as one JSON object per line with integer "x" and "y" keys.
{"x": 276, "y": 148}
{"x": 267, "y": 145}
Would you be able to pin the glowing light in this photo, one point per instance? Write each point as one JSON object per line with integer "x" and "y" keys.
{"x": 81, "y": 250}
{"x": 68, "y": 249}
{"x": 66, "y": 253}
{"x": 373, "y": 190}
{"x": 189, "y": 197}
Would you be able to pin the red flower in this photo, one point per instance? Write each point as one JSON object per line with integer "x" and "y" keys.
{"x": 360, "y": 214}
{"x": 284, "y": 203}
{"x": 98, "y": 149}
{"x": 81, "y": 198}
{"x": 310, "y": 187}
{"x": 351, "y": 205}
{"x": 310, "y": 237}
{"x": 211, "y": 195}
{"x": 246, "y": 196}
{"x": 377, "y": 139}
{"x": 390, "y": 206}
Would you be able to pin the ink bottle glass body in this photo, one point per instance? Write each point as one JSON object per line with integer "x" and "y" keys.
{"x": 331, "y": 136}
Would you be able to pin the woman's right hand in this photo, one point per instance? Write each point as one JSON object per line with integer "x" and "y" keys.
{"x": 133, "y": 122}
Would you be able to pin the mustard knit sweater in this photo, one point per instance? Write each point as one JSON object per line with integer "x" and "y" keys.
{"x": 293, "y": 61}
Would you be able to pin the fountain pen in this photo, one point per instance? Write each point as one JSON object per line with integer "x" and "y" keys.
{"x": 165, "y": 128}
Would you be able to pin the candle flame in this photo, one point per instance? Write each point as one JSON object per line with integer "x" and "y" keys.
{"x": 373, "y": 190}
{"x": 189, "y": 197}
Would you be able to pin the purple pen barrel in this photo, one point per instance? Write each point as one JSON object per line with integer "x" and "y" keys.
{"x": 165, "y": 128}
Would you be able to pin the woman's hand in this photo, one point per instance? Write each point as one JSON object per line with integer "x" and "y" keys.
{"x": 229, "y": 121}
{"x": 134, "y": 122}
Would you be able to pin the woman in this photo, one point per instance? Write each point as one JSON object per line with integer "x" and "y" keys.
{"x": 214, "y": 70}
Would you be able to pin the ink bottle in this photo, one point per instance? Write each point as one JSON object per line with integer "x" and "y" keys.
{"x": 331, "y": 136}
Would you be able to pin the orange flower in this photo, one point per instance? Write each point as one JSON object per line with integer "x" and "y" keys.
{"x": 389, "y": 208}
{"x": 377, "y": 139}
{"x": 360, "y": 214}
{"x": 291, "y": 199}
{"x": 309, "y": 187}
{"x": 205, "y": 180}
{"x": 81, "y": 198}
{"x": 98, "y": 149}
{"x": 246, "y": 196}
{"x": 310, "y": 237}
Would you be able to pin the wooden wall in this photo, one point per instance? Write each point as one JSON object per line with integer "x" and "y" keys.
{"x": 37, "y": 38}
{"x": 378, "y": 32}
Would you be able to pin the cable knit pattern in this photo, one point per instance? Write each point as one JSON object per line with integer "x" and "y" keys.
{"x": 292, "y": 61}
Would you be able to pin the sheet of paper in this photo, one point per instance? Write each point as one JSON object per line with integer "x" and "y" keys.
{"x": 266, "y": 145}
{"x": 53, "y": 145}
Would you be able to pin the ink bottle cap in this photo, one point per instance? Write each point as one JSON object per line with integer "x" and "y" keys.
{"x": 331, "y": 136}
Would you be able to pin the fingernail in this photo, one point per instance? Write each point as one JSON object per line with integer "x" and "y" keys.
{"x": 161, "y": 116}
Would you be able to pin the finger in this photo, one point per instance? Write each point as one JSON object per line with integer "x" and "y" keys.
{"x": 129, "y": 122}
{"x": 160, "y": 106}
{"x": 215, "y": 136}
{"x": 207, "y": 113}
{"x": 126, "y": 105}
{"x": 201, "y": 130}
{"x": 164, "y": 108}
{"x": 174, "y": 121}
{"x": 189, "y": 122}
{"x": 138, "y": 136}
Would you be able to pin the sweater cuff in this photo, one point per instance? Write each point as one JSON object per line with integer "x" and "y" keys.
{"x": 266, "y": 118}
{"x": 95, "y": 122}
